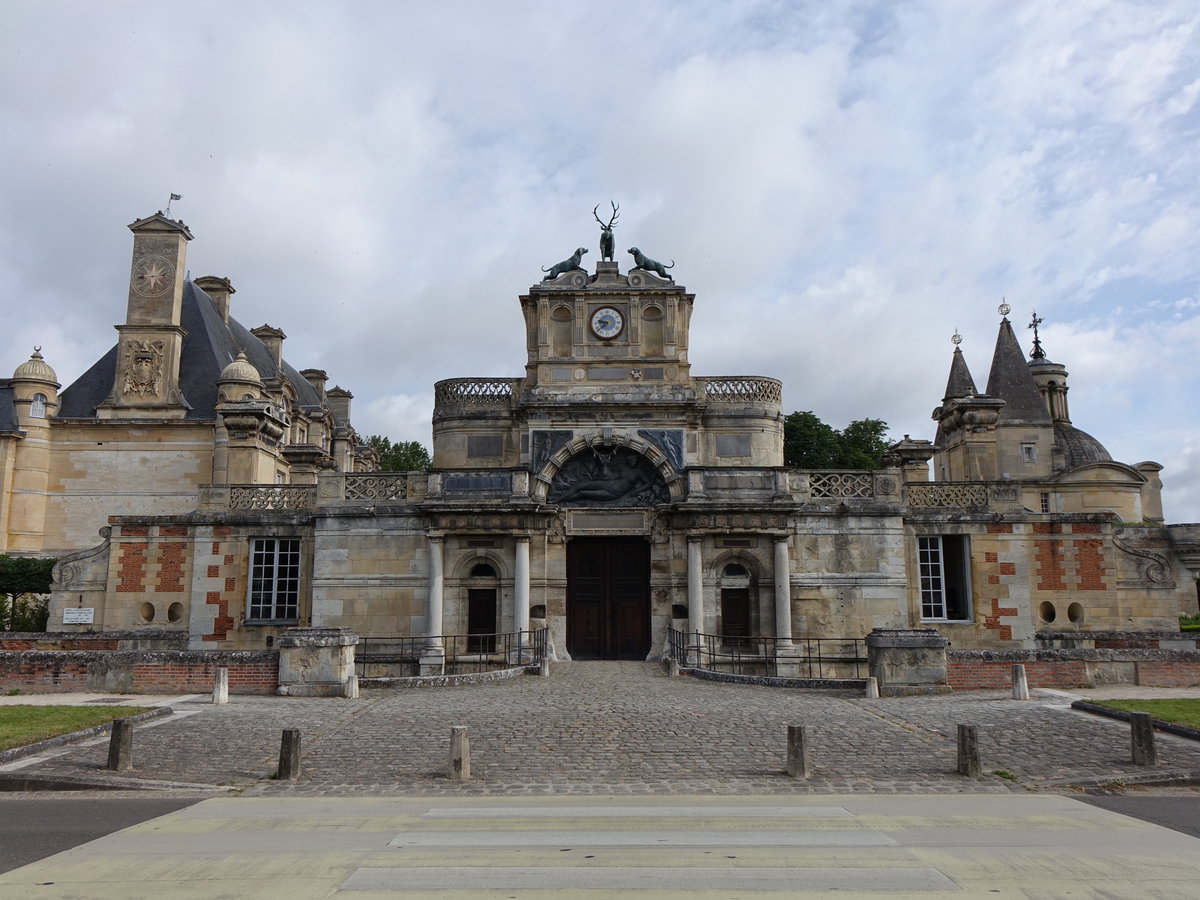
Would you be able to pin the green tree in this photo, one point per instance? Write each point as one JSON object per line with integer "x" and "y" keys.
{"x": 21, "y": 576}
{"x": 402, "y": 456}
{"x": 809, "y": 443}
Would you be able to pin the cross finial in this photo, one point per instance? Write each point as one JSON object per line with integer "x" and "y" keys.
{"x": 1037, "y": 352}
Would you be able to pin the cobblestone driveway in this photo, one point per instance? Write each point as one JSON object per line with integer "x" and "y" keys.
{"x": 612, "y": 727}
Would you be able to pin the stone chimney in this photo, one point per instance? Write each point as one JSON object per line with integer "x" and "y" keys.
{"x": 220, "y": 289}
{"x": 339, "y": 404}
{"x": 317, "y": 378}
{"x": 273, "y": 338}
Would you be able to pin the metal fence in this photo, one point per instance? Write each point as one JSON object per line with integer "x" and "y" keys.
{"x": 400, "y": 656}
{"x": 817, "y": 658}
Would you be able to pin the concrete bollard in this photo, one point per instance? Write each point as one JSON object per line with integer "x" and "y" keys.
{"x": 968, "y": 751}
{"x": 1020, "y": 686}
{"x": 460, "y": 754}
{"x": 289, "y": 755}
{"x": 120, "y": 746}
{"x": 221, "y": 687}
{"x": 544, "y": 668}
{"x": 1141, "y": 734}
{"x": 872, "y": 688}
{"x": 799, "y": 760}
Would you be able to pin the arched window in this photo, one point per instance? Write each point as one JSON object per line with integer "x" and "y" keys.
{"x": 37, "y": 408}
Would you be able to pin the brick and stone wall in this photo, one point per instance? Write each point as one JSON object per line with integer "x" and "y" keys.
{"x": 137, "y": 672}
{"x": 1069, "y": 668}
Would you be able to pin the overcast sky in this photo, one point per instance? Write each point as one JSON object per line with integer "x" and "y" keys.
{"x": 841, "y": 184}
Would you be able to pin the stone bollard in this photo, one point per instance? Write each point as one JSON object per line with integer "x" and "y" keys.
{"x": 460, "y": 754}
{"x": 968, "y": 751}
{"x": 872, "y": 688}
{"x": 673, "y": 667}
{"x": 799, "y": 761}
{"x": 1141, "y": 734}
{"x": 221, "y": 687}
{"x": 544, "y": 668}
{"x": 289, "y": 755}
{"x": 120, "y": 746}
{"x": 1020, "y": 686}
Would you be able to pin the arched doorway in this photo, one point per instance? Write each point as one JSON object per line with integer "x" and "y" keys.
{"x": 481, "y": 609}
{"x": 608, "y": 598}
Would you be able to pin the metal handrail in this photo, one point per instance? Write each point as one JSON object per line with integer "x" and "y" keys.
{"x": 399, "y": 656}
{"x": 760, "y": 655}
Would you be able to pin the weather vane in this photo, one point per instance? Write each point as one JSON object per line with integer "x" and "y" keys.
{"x": 1037, "y": 352}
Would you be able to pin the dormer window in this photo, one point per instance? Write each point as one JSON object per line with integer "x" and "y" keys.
{"x": 37, "y": 406}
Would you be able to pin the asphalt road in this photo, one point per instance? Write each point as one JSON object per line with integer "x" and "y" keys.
{"x": 33, "y": 827}
{"x": 1180, "y": 814}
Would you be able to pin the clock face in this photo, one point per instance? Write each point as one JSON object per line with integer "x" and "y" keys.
{"x": 607, "y": 323}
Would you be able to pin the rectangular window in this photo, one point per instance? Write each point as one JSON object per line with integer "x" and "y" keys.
{"x": 944, "y": 575}
{"x": 1029, "y": 452}
{"x": 1045, "y": 503}
{"x": 274, "y": 580}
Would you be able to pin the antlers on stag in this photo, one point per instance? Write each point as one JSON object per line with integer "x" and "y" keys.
{"x": 606, "y": 235}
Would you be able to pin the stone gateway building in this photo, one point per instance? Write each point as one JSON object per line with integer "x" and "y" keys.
{"x": 607, "y": 494}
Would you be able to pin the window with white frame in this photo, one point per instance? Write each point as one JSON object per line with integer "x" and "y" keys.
{"x": 37, "y": 406}
{"x": 274, "y": 580}
{"x": 945, "y": 582}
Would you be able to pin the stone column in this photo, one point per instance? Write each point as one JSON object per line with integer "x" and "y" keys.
{"x": 521, "y": 586}
{"x": 433, "y": 660}
{"x": 521, "y": 595}
{"x": 695, "y": 594}
{"x": 783, "y": 592}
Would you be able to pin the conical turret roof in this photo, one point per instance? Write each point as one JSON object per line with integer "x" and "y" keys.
{"x": 1011, "y": 381}
{"x": 960, "y": 383}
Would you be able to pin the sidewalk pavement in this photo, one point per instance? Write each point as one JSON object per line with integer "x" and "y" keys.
{"x": 1010, "y": 846}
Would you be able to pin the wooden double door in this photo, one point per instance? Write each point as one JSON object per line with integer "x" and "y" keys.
{"x": 608, "y": 598}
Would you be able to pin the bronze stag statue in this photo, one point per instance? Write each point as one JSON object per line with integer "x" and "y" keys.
{"x": 606, "y": 236}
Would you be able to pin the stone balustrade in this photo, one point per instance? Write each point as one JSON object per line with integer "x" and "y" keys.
{"x": 741, "y": 390}
{"x": 457, "y": 395}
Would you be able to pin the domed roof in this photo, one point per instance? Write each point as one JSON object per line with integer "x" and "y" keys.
{"x": 35, "y": 369}
{"x": 242, "y": 370}
{"x": 1079, "y": 447}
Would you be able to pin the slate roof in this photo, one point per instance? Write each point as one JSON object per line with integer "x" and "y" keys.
{"x": 960, "y": 383}
{"x": 1011, "y": 381}
{"x": 1079, "y": 447}
{"x": 208, "y": 347}
{"x": 8, "y": 409}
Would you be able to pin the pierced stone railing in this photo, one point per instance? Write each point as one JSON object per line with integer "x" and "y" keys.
{"x": 272, "y": 496}
{"x": 373, "y": 486}
{"x": 960, "y": 494}
{"x": 742, "y": 389}
{"x": 474, "y": 391}
{"x": 841, "y": 485}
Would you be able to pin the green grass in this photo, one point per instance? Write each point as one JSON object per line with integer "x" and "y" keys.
{"x": 1181, "y": 710}
{"x": 20, "y": 725}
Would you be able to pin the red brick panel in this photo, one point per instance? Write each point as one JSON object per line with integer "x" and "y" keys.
{"x": 1048, "y": 558}
{"x": 1000, "y": 528}
{"x": 1091, "y": 565}
{"x": 1168, "y": 674}
{"x": 131, "y": 568}
{"x": 170, "y": 568}
{"x": 173, "y": 530}
{"x": 198, "y": 678}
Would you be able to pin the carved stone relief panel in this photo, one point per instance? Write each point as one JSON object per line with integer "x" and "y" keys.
{"x": 608, "y": 477}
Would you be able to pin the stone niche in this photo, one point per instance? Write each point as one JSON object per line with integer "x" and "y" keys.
{"x": 317, "y": 662}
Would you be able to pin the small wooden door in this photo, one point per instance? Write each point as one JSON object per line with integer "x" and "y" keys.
{"x": 608, "y": 598}
{"x": 481, "y": 620}
{"x": 735, "y": 617}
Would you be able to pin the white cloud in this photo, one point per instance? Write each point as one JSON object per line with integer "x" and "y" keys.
{"x": 841, "y": 185}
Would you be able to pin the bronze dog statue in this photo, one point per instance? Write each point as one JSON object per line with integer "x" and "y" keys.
{"x": 570, "y": 264}
{"x": 642, "y": 261}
